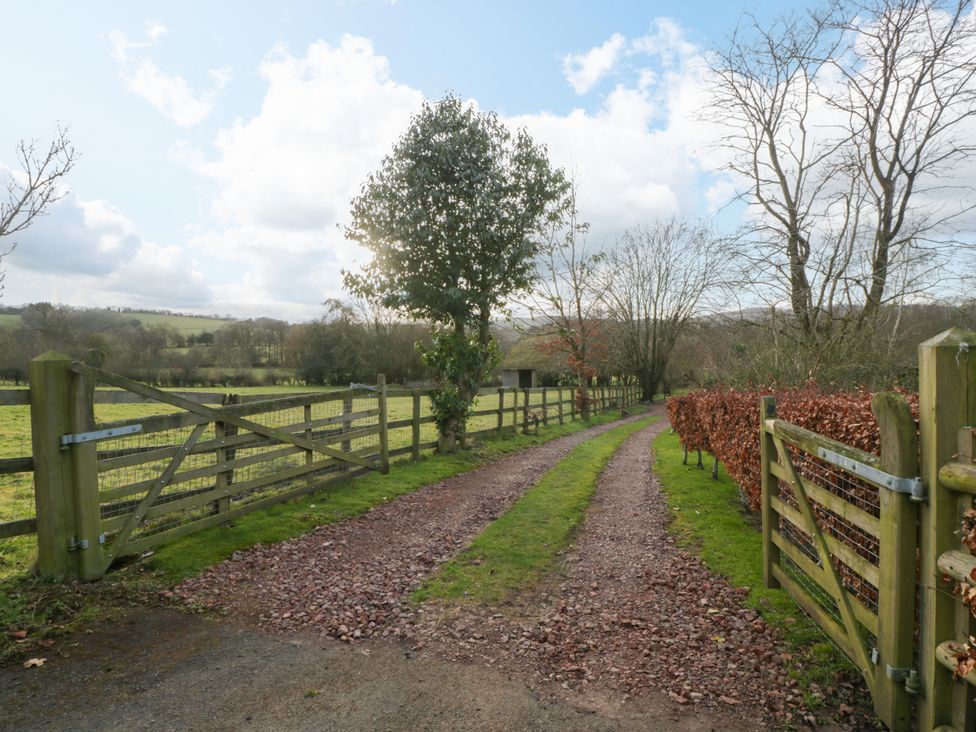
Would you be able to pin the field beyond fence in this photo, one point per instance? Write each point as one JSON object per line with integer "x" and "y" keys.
{"x": 144, "y": 466}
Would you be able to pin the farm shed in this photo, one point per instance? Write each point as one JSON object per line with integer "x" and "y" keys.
{"x": 516, "y": 378}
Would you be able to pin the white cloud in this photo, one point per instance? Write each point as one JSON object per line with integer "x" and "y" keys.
{"x": 584, "y": 70}
{"x": 89, "y": 253}
{"x": 154, "y": 30}
{"x": 665, "y": 40}
{"x": 286, "y": 175}
{"x": 170, "y": 94}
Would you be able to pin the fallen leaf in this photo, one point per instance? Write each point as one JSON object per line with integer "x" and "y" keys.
{"x": 34, "y": 662}
{"x": 17, "y": 634}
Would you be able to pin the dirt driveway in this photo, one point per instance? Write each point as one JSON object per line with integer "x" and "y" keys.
{"x": 596, "y": 650}
{"x": 160, "y": 669}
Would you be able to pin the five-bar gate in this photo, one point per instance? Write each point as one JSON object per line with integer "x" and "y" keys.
{"x": 870, "y": 546}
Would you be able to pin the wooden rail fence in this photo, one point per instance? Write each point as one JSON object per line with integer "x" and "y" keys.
{"x": 105, "y": 490}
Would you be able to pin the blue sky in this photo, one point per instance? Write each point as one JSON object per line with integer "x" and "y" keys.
{"x": 220, "y": 141}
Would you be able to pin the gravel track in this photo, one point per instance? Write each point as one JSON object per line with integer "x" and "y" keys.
{"x": 627, "y": 616}
{"x": 630, "y": 613}
{"x": 351, "y": 579}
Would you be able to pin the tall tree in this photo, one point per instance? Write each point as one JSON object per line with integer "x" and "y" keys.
{"x": 454, "y": 217}
{"x": 34, "y": 187}
{"x": 909, "y": 99}
{"x": 844, "y": 131}
{"x": 658, "y": 277}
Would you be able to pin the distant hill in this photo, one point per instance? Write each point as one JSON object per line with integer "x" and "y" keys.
{"x": 183, "y": 323}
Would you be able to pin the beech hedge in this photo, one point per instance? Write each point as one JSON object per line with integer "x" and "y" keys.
{"x": 725, "y": 423}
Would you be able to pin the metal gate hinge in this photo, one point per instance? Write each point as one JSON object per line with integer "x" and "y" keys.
{"x": 77, "y": 544}
{"x": 906, "y": 676}
{"x": 913, "y": 487}
{"x": 80, "y": 437}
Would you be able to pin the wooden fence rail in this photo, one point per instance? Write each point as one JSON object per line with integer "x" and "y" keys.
{"x": 105, "y": 490}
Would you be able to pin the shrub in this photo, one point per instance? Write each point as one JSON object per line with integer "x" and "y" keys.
{"x": 725, "y": 423}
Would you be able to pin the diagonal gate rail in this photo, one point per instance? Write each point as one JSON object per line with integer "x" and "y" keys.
{"x": 120, "y": 488}
{"x": 839, "y": 535}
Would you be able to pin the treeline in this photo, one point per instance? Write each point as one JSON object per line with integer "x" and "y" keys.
{"x": 345, "y": 345}
{"x": 757, "y": 349}
{"x": 751, "y": 348}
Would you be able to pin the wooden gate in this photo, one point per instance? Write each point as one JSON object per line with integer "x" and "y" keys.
{"x": 121, "y": 488}
{"x": 855, "y": 539}
{"x": 839, "y": 536}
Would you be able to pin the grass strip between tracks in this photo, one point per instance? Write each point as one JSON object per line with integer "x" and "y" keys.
{"x": 521, "y": 546}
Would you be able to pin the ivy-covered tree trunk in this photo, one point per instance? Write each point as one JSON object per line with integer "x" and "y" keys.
{"x": 462, "y": 363}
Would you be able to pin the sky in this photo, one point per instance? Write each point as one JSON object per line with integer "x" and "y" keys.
{"x": 221, "y": 143}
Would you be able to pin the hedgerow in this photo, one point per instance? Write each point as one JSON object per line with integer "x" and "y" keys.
{"x": 725, "y": 423}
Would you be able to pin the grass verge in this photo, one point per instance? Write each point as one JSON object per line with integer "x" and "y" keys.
{"x": 709, "y": 518}
{"x": 46, "y": 610}
{"x": 521, "y": 546}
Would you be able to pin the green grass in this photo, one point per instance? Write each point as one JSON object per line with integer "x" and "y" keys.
{"x": 49, "y": 610}
{"x": 185, "y": 324}
{"x": 709, "y": 518}
{"x": 520, "y": 547}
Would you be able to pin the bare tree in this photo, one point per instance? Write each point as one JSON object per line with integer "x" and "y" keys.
{"x": 764, "y": 95}
{"x": 842, "y": 130}
{"x": 563, "y": 297}
{"x": 35, "y": 186}
{"x": 657, "y": 277}
{"x": 909, "y": 69}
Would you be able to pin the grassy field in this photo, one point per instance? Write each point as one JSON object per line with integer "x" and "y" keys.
{"x": 522, "y": 545}
{"x": 185, "y": 324}
{"x": 709, "y": 518}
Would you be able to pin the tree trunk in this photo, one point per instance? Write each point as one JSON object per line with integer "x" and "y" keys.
{"x": 584, "y": 398}
{"x": 648, "y": 384}
{"x": 447, "y": 438}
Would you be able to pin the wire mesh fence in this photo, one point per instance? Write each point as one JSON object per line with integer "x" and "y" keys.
{"x": 851, "y": 541}
{"x": 185, "y": 469}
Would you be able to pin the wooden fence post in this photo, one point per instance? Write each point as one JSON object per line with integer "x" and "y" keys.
{"x": 559, "y": 396}
{"x": 50, "y": 395}
{"x": 309, "y": 455}
{"x": 525, "y": 412}
{"x": 515, "y": 410}
{"x": 347, "y": 423}
{"x": 572, "y": 403}
{"x": 770, "y": 519}
{"x": 545, "y": 408}
{"x": 415, "y": 426}
{"x": 896, "y": 559}
{"x": 946, "y": 394}
{"x": 84, "y": 459}
{"x": 384, "y": 431}
{"x": 501, "y": 408}
{"x": 221, "y": 430}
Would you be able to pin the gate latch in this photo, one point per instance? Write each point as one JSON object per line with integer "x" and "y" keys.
{"x": 914, "y": 487}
